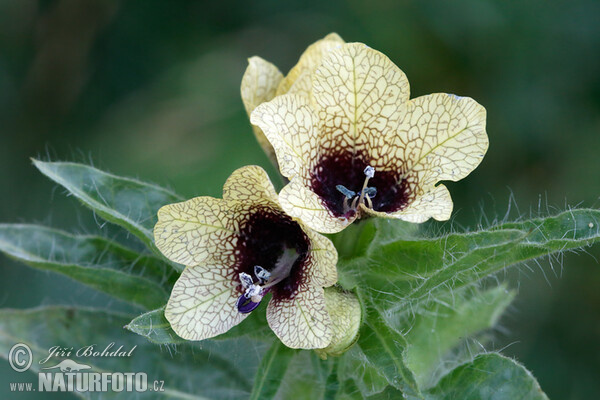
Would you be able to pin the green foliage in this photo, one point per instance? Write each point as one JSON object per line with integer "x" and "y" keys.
{"x": 154, "y": 326}
{"x": 418, "y": 269}
{"x": 95, "y": 261}
{"x": 123, "y": 201}
{"x": 444, "y": 324}
{"x": 271, "y": 371}
{"x": 421, "y": 298}
{"x": 226, "y": 367}
{"x": 488, "y": 376}
{"x": 384, "y": 349}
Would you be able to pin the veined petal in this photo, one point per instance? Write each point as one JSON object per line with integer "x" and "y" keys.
{"x": 356, "y": 91}
{"x": 203, "y": 302}
{"x": 250, "y": 184}
{"x": 288, "y": 123}
{"x": 259, "y": 84}
{"x": 322, "y": 260}
{"x": 302, "y": 86}
{"x": 309, "y": 61}
{"x": 302, "y": 321}
{"x": 441, "y": 137}
{"x": 436, "y": 204}
{"x": 194, "y": 231}
{"x": 302, "y": 203}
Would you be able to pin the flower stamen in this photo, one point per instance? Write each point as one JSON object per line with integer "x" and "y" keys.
{"x": 254, "y": 292}
{"x": 364, "y": 195}
{"x": 369, "y": 173}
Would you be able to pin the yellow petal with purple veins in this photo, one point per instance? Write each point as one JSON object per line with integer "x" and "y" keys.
{"x": 250, "y": 184}
{"x": 191, "y": 232}
{"x": 259, "y": 84}
{"x": 301, "y": 322}
{"x": 288, "y": 123}
{"x": 436, "y": 204}
{"x": 203, "y": 302}
{"x": 302, "y": 203}
{"x": 308, "y": 62}
{"x": 356, "y": 91}
{"x": 441, "y": 137}
{"x": 323, "y": 260}
{"x": 302, "y": 85}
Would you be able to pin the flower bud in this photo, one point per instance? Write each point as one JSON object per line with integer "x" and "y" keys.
{"x": 345, "y": 312}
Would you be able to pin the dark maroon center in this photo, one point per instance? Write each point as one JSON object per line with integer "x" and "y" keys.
{"x": 263, "y": 239}
{"x": 348, "y": 170}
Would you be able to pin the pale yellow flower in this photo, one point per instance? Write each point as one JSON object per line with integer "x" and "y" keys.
{"x": 262, "y": 81}
{"x": 237, "y": 250}
{"x": 356, "y": 145}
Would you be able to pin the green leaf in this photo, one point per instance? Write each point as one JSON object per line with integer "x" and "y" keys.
{"x": 271, "y": 371}
{"x": 384, "y": 349}
{"x": 414, "y": 270}
{"x": 92, "y": 260}
{"x": 355, "y": 368}
{"x": 488, "y": 377}
{"x": 210, "y": 370}
{"x": 127, "y": 202}
{"x": 442, "y": 325}
{"x": 154, "y": 326}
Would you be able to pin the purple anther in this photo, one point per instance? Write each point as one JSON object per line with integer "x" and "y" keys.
{"x": 246, "y": 305}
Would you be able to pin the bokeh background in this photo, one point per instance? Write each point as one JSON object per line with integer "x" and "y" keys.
{"x": 151, "y": 89}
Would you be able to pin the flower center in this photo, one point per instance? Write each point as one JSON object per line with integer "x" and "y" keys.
{"x": 265, "y": 280}
{"x": 270, "y": 254}
{"x": 343, "y": 181}
{"x": 363, "y": 196}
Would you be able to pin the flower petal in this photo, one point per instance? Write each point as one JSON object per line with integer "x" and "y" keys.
{"x": 301, "y": 322}
{"x": 356, "y": 91}
{"x": 288, "y": 123}
{"x": 323, "y": 260}
{"x": 436, "y": 204}
{"x": 302, "y": 203}
{"x": 193, "y": 231}
{"x": 250, "y": 184}
{"x": 259, "y": 84}
{"x": 203, "y": 303}
{"x": 308, "y": 62}
{"x": 441, "y": 137}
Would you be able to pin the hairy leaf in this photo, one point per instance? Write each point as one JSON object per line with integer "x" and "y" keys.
{"x": 384, "y": 349}
{"x": 127, "y": 202}
{"x": 95, "y": 261}
{"x": 208, "y": 371}
{"x": 404, "y": 272}
{"x": 488, "y": 377}
{"x": 271, "y": 371}
{"x": 442, "y": 325}
{"x": 154, "y": 326}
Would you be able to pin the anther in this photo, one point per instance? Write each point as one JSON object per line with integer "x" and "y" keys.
{"x": 345, "y": 191}
{"x": 262, "y": 274}
{"x": 364, "y": 195}
{"x": 246, "y": 280}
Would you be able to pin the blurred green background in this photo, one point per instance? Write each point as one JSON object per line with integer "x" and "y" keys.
{"x": 151, "y": 89}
